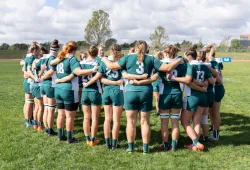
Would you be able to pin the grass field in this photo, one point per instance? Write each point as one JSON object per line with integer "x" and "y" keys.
{"x": 22, "y": 148}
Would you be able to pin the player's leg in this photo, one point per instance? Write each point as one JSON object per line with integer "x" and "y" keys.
{"x": 50, "y": 118}
{"x": 107, "y": 124}
{"x": 117, "y": 112}
{"x": 35, "y": 113}
{"x": 175, "y": 117}
{"x": 45, "y": 112}
{"x": 156, "y": 97}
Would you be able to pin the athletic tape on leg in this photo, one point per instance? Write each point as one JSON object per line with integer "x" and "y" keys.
{"x": 204, "y": 120}
{"x": 29, "y": 100}
{"x": 164, "y": 115}
{"x": 175, "y": 116}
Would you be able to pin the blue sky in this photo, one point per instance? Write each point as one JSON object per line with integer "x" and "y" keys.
{"x": 52, "y": 3}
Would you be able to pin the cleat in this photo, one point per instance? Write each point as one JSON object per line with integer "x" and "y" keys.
{"x": 212, "y": 138}
{"x": 130, "y": 151}
{"x": 72, "y": 141}
{"x": 35, "y": 127}
{"x": 109, "y": 147}
{"x": 63, "y": 138}
{"x": 52, "y": 133}
{"x": 93, "y": 143}
{"x": 40, "y": 128}
{"x": 200, "y": 147}
{"x": 28, "y": 125}
{"x": 145, "y": 153}
{"x": 165, "y": 149}
{"x": 88, "y": 142}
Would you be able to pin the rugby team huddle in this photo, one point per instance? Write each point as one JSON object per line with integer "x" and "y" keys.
{"x": 188, "y": 88}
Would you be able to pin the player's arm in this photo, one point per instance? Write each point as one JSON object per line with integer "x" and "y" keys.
{"x": 93, "y": 80}
{"x": 55, "y": 61}
{"x": 146, "y": 81}
{"x": 201, "y": 84}
{"x": 42, "y": 70}
{"x": 126, "y": 75}
{"x": 110, "y": 82}
{"x": 194, "y": 86}
{"x": 65, "y": 79}
{"x": 186, "y": 80}
{"x": 168, "y": 67}
{"x": 48, "y": 74}
{"x": 31, "y": 74}
{"x": 213, "y": 71}
{"x": 111, "y": 65}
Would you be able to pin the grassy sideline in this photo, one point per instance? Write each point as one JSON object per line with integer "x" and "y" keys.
{"x": 22, "y": 148}
{"x": 17, "y": 54}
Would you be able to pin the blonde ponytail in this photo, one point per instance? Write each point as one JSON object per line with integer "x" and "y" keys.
{"x": 141, "y": 47}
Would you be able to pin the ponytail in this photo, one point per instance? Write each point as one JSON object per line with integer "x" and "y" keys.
{"x": 141, "y": 47}
{"x": 68, "y": 48}
{"x": 116, "y": 50}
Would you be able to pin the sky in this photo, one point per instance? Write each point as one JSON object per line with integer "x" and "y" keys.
{"x": 24, "y": 21}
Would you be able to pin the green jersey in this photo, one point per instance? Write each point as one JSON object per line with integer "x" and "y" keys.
{"x": 28, "y": 61}
{"x": 213, "y": 63}
{"x": 198, "y": 72}
{"x": 37, "y": 70}
{"x": 110, "y": 75}
{"x": 131, "y": 65}
{"x": 46, "y": 60}
{"x": 90, "y": 64}
{"x": 65, "y": 68}
{"x": 168, "y": 86}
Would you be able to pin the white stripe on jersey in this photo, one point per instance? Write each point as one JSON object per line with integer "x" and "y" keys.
{"x": 75, "y": 85}
{"x": 89, "y": 62}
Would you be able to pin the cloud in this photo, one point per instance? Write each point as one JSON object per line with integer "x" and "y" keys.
{"x": 210, "y": 20}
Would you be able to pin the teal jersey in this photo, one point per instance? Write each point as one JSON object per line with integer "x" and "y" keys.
{"x": 50, "y": 81}
{"x": 131, "y": 65}
{"x": 37, "y": 70}
{"x": 65, "y": 68}
{"x": 215, "y": 65}
{"x": 89, "y": 64}
{"x": 28, "y": 61}
{"x": 110, "y": 75}
{"x": 168, "y": 86}
{"x": 198, "y": 72}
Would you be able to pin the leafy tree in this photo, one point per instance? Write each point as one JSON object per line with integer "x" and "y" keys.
{"x": 82, "y": 43}
{"x": 125, "y": 45}
{"x": 200, "y": 44}
{"x": 225, "y": 42}
{"x": 98, "y": 29}
{"x": 109, "y": 42}
{"x": 178, "y": 45}
{"x": 186, "y": 44}
{"x": 19, "y": 47}
{"x": 236, "y": 45}
{"x": 159, "y": 38}
{"x": 4, "y": 46}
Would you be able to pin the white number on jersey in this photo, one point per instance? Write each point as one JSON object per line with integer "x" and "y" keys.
{"x": 112, "y": 74}
{"x": 140, "y": 70}
{"x": 200, "y": 76}
{"x": 59, "y": 68}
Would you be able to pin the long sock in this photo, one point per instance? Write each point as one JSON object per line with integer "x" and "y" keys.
{"x": 107, "y": 140}
{"x": 174, "y": 144}
{"x": 34, "y": 122}
{"x": 216, "y": 134}
{"x": 87, "y": 138}
{"x": 93, "y": 139}
{"x": 26, "y": 121}
{"x": 29, "y": 121}
{"x": 165, "y": 145}
{"x": 50, "y": 130}
{"x": 60, "y": 132}
{"x": 69, "y": 135}
{"x": 40, "y": 123}
{"x": 145, "y": 148}
{"x": 114, "y": 142}
{"x": 130, "y": 146}
{"x": 195, "y": 141}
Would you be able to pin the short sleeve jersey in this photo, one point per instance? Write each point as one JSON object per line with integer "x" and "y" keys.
{"x": 90, "y": 64}
{"x": 37, "y": 70}
{"x": 65, "y": 68}
{"x": 198, "y": 72}
{"x": 169, "y": 86}
{"x": 214, "y": 65}
{"x": 131, "y": 65}
{"x": 110, "y": 75}
{"x": 28, "y": 61}
{"x": 47, "y": 59}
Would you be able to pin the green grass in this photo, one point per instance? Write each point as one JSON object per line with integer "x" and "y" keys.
{"x": 22, "y": 148}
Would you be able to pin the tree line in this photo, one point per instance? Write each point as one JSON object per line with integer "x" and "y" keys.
{"x": 98, "y": 32}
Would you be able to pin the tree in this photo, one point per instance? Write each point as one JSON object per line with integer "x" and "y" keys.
{"x": 82, "y": 43}
{"x": 178, "y": 45}
{"x": 4, "y": 46}
{"x": 19, "y": 47}
{"x": 98, "y": 29}
{"x": 109, "y": 42}
{"x": 200, "y": 44}
{"x": 186, "y": 44}
{"x": 125, "y": 45}
{"x": 225, "y": 42}
{"x": 159, "y": 38}
{"x": 235, "y": 44}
